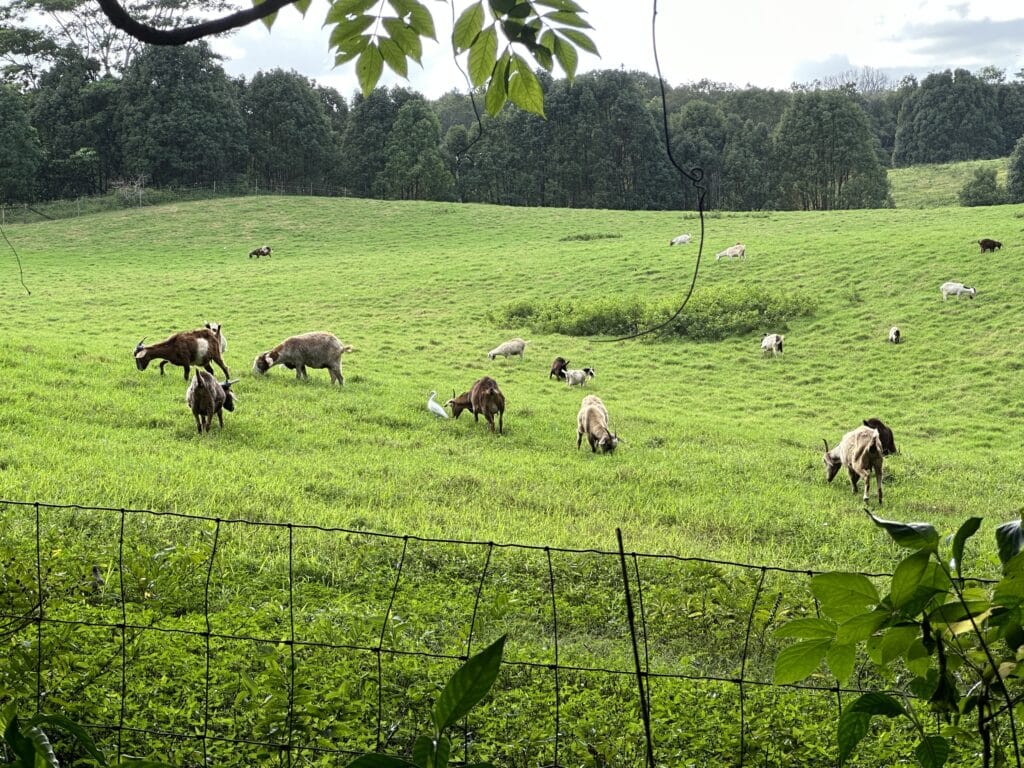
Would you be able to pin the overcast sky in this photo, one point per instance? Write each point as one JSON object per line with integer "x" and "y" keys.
{"x": 768, "y": 44}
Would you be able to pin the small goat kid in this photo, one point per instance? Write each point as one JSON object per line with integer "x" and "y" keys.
{"x": 861, "y": 452}
{"x": 957, "y": 288}
{"x": 592, "y": 421}
{"x": 317, "y": 349}
{"x": 207, "y": 397}
{"x": 186, "y": 349}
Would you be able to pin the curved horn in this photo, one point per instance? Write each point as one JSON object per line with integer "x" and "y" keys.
{"x": 229, "y": 382}
{"x": 140, "y": 343}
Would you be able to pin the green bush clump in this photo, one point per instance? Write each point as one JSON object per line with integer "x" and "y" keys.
{"x": 712, "y": 314}
{"x": 591, "y": 236}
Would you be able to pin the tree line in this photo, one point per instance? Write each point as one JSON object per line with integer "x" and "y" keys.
{"x": 172, "y": 116}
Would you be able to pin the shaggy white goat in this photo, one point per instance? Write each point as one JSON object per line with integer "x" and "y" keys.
{"x": 509, "y": 349}
{"x": 772, "y": 342}
{"x": 682, "y": 239}
{"x": 578, "y": 376}
{"x": 958, "y": 288}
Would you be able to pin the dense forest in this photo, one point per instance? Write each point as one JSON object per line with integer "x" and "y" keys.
{"x": 172, "y": 117}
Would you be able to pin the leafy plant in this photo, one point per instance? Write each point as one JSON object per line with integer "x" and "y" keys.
{"x": 464, "y": 690}
{"x": 961, "y": 645}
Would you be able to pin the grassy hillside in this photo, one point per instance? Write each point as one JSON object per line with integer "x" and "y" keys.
{"x": 935, "y": 186}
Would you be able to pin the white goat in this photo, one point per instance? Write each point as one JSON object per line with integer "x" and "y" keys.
{"x": 894, "y": 335}
{"x": 738, "y": 251}
{"x": 592, "y": 421}
{"x": 958, "y": 288}
{"x": 682, "y": 239}
{"x": 860, "y": 451}
{"x": 772, "y": 342}
{"x": 578, "y": 376}
{"x": 509, "y": 349}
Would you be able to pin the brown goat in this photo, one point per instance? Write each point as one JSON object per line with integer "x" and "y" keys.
{"x": 207, "y": 397}
{"x": 460, "y": 404}
{"x": 990, "y": 245}
{"x": 592, "y": 421}
{"x": 486, "y": 399}
{"x": 860, "y": 451}
{"x": 558, "y": 366}
{"x": 187, "y": 348}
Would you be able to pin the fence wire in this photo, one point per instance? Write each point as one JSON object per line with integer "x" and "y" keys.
{"x": 226, "y": 641}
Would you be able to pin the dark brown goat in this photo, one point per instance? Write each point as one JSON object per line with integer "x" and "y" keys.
{"x": 884, "y": 434}
{"x": 187, "y": 348}
{"x": 989, "y": 245}
{"x": 207, "y": 397}
{"x": 486, "y": 399}
{"x": 558, "y": 366}
{"x": 460, "y": 404}
{"x": 263, "y": 250}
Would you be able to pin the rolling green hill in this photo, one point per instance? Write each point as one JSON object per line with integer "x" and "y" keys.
{"x": 935, "y": 186}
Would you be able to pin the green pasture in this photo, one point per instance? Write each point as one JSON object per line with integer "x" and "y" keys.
{"x": 938, "y": 185}
{"x": 722, "y": 458}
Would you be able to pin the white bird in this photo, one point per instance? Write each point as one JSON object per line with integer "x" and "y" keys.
{"x": 434, "y": 408}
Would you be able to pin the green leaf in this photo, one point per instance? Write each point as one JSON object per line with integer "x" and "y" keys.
{"x": 860, "y": 627}
{"x": 342, "y": 9}
{"x": 1009, "y": 592}
{"x": 405, "y": 37}
{"x": 420, "y": 20}
{"x": 560, "y": 5}
{"x": 844, "y": 595}
{"x": 45, "y": 758}
{"x": 302, "y": 6}
{"x": 569, "y": 18}
{"x": 580, "y": 39}
{"x": 502, "y": 7}
{"x": 897, "y": 640}
{"x": 142, "y": 764}
{"x": 919, "y": 659}
{"x": 878, "y": 704}
{"x": 22, "y": 747}
{"x": 394, "y": 56}
{"x": 349, "y": 54}
{"x": 841, "y": 659}
{"x": 809, "y": 629}
{"x": 268, "y": 21}
{"x": 524, "y": 88}
{"x": 70, "y": 726}
{"x": 799, "y": 660}
{"x": 468, "y": 26}
{"x": 468, "y": 685}
{"x": 427, "y": 752}
{"x": 932, "y": 752}
{"x": 567, "y": 57}
{"x": 482, "y": 56}
{"x": 1009, "y": 540}
{"x": 350, "y": 28}
{"x": 374, "y": 760}
{"x": 369, "y": 68}
{"x": 853, "y": 726}
{"x": 496, "y": 94}
{"x": 907, "y": 577}
{"x": 909, "y": 535}
{"x": 968, "y": 529}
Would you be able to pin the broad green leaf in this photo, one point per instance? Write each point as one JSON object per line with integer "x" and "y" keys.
{"x": 567, "y": 57}
{"x": 1009, "y": 592}
{"x": 844, "y": 595}
{"x": 841, "y": 659}
{"x": 45, "y": 758}
{"x": 560, "y": 5}
{"x": 909, "y": 535}
{"x": 342, "y": 9}
{"x": 350, "y": 28}
{"x": 7, "y": 715}
{"x": 482, "y": 56}
{"x": 22, "y": 747}
{"x": 907, "y": 577}
{"x": 524, "y": 88}
{"x": 369, "y": 68}
{"x": 405, "y": 37}
{"x": 268, "y": 21}
{"x": 496, "y": 94}
{"x": 919, "y": 659}
{"x": 468, "y": 685}
{"x": 925, "y": 685}
{"x": 932, "y": 751}
{"x": 502, "y": 7}
{"x": 302, "y": 5}
{"x": 543, "y": 57}
{"x": 142, "y": 764}
{"x": 347, "y": 55}
{"x": 808, "y": 629}
{"x": 73, "y": 728}
{"x": 799, "y": 660}
{"x": 421, "y": 20}
{"x": 878, "y": 704}
{"x": 853, "y": 726}
{"x": 1009, "y": 540}
{"x": 568, "y": 18}
{"x": 580, "y": 39}
{"x": 394, "y": 57}
{"x": 468, "y": 26}
{"x": 964, "y": 532}
{"x": 897, "y": 640}
{"x": 860, "y": 627}
{"x": 427, "y": 752}
{"x": 374, "y": 760}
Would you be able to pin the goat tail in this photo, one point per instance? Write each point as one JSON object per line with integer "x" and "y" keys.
{"x": 826, "y": 444}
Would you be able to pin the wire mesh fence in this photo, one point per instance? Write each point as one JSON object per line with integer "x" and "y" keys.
{"x": 216, "y": 641}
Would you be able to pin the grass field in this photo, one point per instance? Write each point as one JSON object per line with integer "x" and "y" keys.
{"x": 935, "y": 186}
{"x": 723, "y": 452}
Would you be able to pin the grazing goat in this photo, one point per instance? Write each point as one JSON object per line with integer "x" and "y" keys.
{"x": 558, "y": 366}
{"x": 307, "y": 350}
{"x": 460, "y": 404}
{"x": 738, "y": 251}
{"x": 509, "y": 349}
{"x": 218, "y": 329}
{"x": 772, "y": 342}
{"x": 682, "y": 239}
{"x": 592, "y": 421}
{"x": 884, "y": 434}
{"x": 486, "y": 400}
{"x": 894, "y": 335}
{"x": 207, "y": 398}
{"x": 263, "y": 250}
{"x": 573, "y": 376}
{"x": 989, "y": 245}
{"x": 860, "y": 451}
{"x": 187, "y": 348}
{"x": 958, "y": 288}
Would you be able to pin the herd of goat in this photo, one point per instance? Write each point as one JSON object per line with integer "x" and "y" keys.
{"x": 860, "y": 450}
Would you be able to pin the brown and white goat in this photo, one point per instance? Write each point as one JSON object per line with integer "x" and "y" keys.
{"x": 188, "y": 348}
{"x": 263, "y": 250}
{"x": 459, "y": 404}
{"x": 317, "y": 349}
{"x": 884, "y": 434}
{"x": 861, "y": 452}
{"x": 207, "y": 397}
{"x": 592, "y": 421}
{"x": 486, "y": 400}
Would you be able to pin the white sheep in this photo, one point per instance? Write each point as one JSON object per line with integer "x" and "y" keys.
{"x": 509, "y": 349}
{"x": 894, "y": 335}
{"x": 772, "y": 342}
{"x": 860, "y": 451}
{"x": 958, "y": 288}
{"x": 738, "y": 251}
{"x": 682, "y": 239}
{"x": 578, "y": 376}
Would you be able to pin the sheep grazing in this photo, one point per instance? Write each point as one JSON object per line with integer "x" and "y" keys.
{"x": 989, "y": 245}
{"x": 682, "y": 239}
{"x": 860, "y": 451}
{"x": 558, "y": 366}
{"x": 218, "y": 329}
{"x": 894, "y": 335}
{"x": 884, "y": 433}
{"x": 263, "y": 250}
{"x": 578, "y": 377}
{"x": 509, "y": 349}
{"x": 772, "y": 343}
{"x": 307, "y": 350}
{"x": 957, "y": 288}
{"x": 207, "y": 397}
{"x": 738, "y": 251}
{"x": 459, "y": 404}
{"x": 187, "y": 348}
{"x": 592, "y": 421}
{"x": 486, "y": 400}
